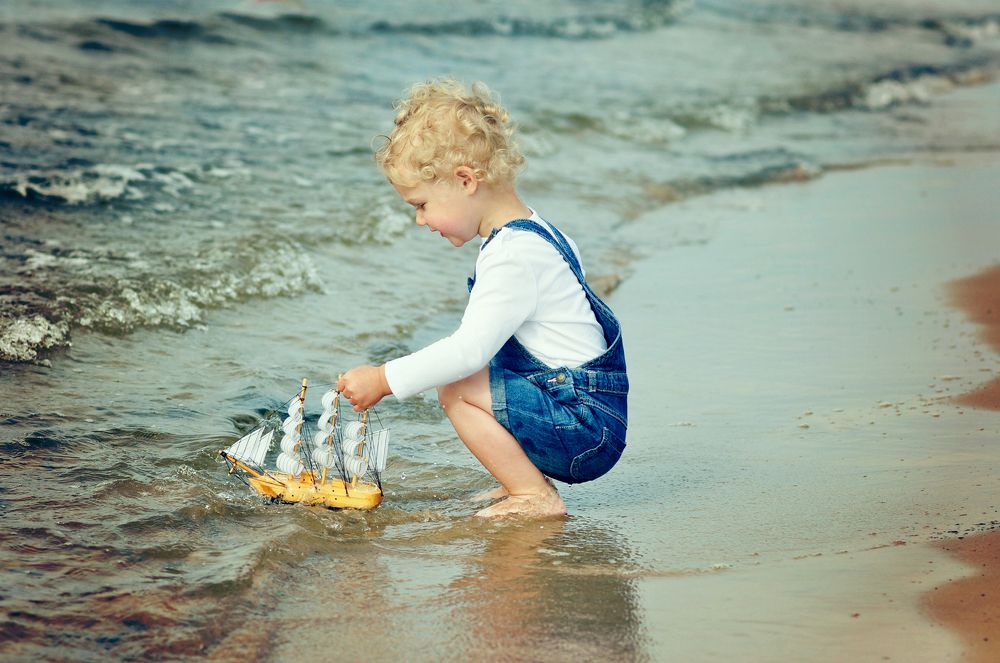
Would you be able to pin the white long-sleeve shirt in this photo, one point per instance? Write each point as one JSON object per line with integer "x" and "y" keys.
{"x": 524, "y": 289}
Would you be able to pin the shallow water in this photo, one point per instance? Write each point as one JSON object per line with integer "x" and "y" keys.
{"x": 192, "y": 222}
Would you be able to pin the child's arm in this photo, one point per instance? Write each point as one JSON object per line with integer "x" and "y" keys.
{"x": 506, "y": 294}
{"x": 364, "y": 386}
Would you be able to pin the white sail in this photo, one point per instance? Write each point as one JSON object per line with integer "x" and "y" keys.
{"x": 320, "y": 438}
{"x": 351, "y": 447}
{"x": 295, "y": 407}
{"x": 251, "y": 448}
{"x": 353, "y": 430}
{"x": 289, "y": 464}
{"x": 242, "y": 448}
{"x": 323, "y": 456}
{"x": 327, "y": 399}
{"x": 356, "y": 465}
{"x": 291, "y": 426}
{"x": 324, "y": 422}
{"x": 378, "y": 449}
{"x": 288, "y": 443}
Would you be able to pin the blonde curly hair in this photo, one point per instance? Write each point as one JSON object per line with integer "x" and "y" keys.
{"x": 441, "y": 125}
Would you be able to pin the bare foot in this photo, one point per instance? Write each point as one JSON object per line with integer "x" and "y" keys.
{"x": 531, "y": 506}
{"x": 491, "y": 494}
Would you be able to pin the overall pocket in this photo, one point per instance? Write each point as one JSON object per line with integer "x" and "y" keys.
{"x": 566, "y": 409}
{"x": 596, "y": 462}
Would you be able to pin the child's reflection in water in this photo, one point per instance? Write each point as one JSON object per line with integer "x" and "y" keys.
{"x": 549, "y": 589}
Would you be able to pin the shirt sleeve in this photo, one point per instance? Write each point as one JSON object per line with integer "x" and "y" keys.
{"x": 505, "y": 295}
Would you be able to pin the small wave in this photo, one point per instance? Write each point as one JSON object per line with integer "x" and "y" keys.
{"x": 231, "y": 27}
{"x": 731, "y": 115}
{"x": 42, "y": 440}
{"x": 117, "y": 293}
{"x": 915, "y": 83}
{"x": 76, "y": 186}
{"x": 847, "y": 21}
{"x": 218, "y": 28}
{"x": 912, "y": 83}
{"x": 95, "y": 45}
{"x": 376, "y": 220}
{"x": 115, "y": 34}
{"x": 220, "y": 275}
{"x": 634, "y": 126}
{"x": 23, "y": 339}
{"x": 649, "y": 126}
{"x": 169, "y": 29}
{"x": 656, "y": 123}
{"x": 651, "y": 16}
{"x": 964, "y": 32}
{"x": 960, "y": 31}
{"x": 740, "y": 170}
{"x": 290, "y": 23}
{"x": 382, "y": 224}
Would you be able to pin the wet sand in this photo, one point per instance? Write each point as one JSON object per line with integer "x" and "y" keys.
{"x": 979, "y": 297}
{"x": 971, "y": 605}
{"x": 799, "y": 365}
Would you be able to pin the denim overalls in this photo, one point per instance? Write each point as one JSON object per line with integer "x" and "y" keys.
{"x": 570, "y": 422}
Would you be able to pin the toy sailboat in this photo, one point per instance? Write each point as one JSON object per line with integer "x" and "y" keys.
{"x": 340, "y": 468}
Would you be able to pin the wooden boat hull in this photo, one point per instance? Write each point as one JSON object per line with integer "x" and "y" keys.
{"x": 306, "y": 489}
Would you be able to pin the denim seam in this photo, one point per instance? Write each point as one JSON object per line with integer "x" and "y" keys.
{"x": 498, "y": 394}
{"x": 580, "y": 458}
{"x": 597, "y": 405}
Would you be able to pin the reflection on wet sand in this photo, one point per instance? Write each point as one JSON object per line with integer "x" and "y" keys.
{"x": 558, "y": 590}
{"x": 552, "y": 590}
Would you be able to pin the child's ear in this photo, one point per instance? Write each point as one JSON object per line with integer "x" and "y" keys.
{"x": 467, "y": 179}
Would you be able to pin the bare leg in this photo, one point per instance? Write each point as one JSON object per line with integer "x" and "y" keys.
{"x": 469, "y": 407}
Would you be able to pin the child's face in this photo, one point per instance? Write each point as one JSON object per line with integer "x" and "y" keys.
{"x": 447, "y": 207}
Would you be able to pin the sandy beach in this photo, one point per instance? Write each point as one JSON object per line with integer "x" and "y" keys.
{"x": 841, "y": 380}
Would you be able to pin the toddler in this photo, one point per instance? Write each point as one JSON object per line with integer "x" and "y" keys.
{"x": 534, "y": 378}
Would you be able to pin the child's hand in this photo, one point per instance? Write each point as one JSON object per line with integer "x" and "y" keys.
{"x": 364, "y": 386}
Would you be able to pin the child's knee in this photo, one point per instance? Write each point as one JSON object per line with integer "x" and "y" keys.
{"x": 448, "y": 395}
{"x": 472, "y": 390}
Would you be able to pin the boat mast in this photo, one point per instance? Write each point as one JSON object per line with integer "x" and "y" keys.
{"x": 302, "y": 413}
{"x": 335, "y": 407}
{"x": 361, "y": 446}
{"x": 302, "y": 407}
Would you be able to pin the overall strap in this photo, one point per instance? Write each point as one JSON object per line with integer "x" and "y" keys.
{"x": 556, "y": 239}
{"x": 605, "y": 317}
{"x": 606, "y": 372}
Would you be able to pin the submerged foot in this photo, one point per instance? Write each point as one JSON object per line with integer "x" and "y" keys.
{"x": 491, "y": 494}
{"x": 531, "y": 506}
